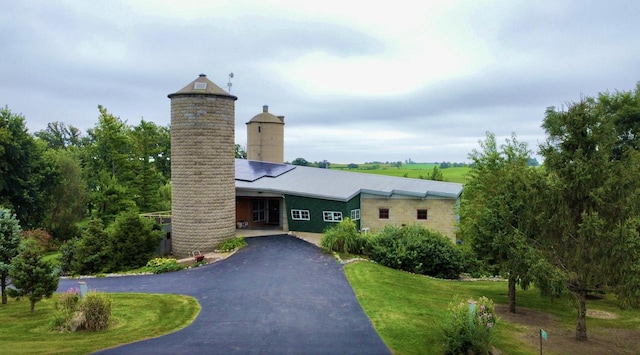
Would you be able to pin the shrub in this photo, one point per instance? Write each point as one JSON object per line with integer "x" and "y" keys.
{"x": 93, "y": 312}
{"x": 162, "y": 265}
{"x": 231, "y": 244}
{"x": 64, "y": 232}
{"x": 344, "y": 238}
{"x": 96, "y": 311}
{"x": 42, "y": 237}
{"x": 132, "y": 241}
{"x": 417, "y": 249}
{"x": 474, "y": 266}
{"x": 65, "y": 310}
{"x": 469, "y": 331}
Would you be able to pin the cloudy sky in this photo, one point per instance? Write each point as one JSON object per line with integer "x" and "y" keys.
{"x": 356, "y": 80}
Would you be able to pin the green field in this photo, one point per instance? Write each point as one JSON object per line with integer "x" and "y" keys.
{"x": 416, "y": 170}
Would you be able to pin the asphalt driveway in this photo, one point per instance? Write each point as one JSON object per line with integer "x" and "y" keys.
{"x": 278, "y": 295}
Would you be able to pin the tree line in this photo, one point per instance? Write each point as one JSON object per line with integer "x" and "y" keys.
{"x": 58, "y": 176}
{"x": 571, "y": 226}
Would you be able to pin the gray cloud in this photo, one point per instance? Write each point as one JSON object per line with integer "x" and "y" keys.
{"x": 60, "y": 60}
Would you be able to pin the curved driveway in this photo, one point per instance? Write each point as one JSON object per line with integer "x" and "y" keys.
{"x": 278, "y": 295}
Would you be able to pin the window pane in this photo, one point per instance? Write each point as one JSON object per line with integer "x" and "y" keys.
{"x": 383, "y": 213}
{"x": 331, "y": 216}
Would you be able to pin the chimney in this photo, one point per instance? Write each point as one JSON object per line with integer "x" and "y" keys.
{"x": 265, "y": 108}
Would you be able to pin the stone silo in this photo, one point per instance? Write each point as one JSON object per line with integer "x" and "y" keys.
{"x": 202, "y": 167}
{"x": 265, "y": 137}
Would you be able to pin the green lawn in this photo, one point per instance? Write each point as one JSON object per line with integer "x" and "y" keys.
{"x": 407, "y": 309}
{"x": 53, "y": 258}
{"x": 136, "y": 316}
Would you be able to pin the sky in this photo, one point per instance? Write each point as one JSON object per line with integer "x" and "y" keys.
{"x": 357, "y": 81}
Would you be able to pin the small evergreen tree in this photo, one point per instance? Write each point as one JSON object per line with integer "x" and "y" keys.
{"x": 9, "y": 244}
{"x": 31, "y": 276}
{"x": 90, "y": 251}
{"x": 133, "y": 241}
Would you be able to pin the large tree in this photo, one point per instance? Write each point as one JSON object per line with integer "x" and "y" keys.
{"x": 495, "y": 210}
{"x": 69, "y": 197}
{"x": 9, "y": 244}
{"x": 24, "y": 175}
{"x": 590, "y": 204}
{"x": 59, "y": 136}
{"x": 148, "y": 180}
{"x": 109, "y": 162}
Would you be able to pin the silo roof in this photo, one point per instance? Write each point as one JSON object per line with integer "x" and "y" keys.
{"x": 266, "y": 117}
{"x": 202, "y": 86}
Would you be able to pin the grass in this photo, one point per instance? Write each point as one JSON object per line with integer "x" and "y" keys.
{"x": 52, "y": 257}
{"x": 416, "y": 171}
{"x": 136, "y": 317}
{"x": 407, "y": 309}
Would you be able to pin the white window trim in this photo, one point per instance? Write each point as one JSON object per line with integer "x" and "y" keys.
{"x": 355, "y": 214}
{"x": 332, "y": 216}
{"x": 302, "y": 215}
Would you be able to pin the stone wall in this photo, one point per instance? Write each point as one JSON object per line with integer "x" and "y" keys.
{"x": 441, "y": 214}
{"x": 202, "y": 172}
{"x": 265, "y": 142}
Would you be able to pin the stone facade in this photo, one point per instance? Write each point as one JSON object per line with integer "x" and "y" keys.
{"x": 441, "y": 213}
{"x": 202, "y": 168}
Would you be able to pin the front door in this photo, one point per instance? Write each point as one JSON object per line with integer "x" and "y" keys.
{"x": 274, "y": 212}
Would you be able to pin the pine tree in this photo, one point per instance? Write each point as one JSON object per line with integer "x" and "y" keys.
{"x": 31, "y": 276}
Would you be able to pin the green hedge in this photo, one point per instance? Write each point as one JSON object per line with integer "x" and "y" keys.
{"x": 416, "y": 249}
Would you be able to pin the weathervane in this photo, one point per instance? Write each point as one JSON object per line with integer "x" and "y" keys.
{"x": 229, "y": 84}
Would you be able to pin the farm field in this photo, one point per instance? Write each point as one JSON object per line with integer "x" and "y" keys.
{"x": 415, "y": 171}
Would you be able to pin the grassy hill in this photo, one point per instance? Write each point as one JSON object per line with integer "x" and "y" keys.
{"x": 416, "y": 171}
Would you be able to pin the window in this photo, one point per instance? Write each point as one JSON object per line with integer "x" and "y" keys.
{"x": 422, "y": 214}
{"x": 258, "y": 211}
{"x": 355, "y": 214}
{"x": 332, "y": 216}
{"x": 383, "y": 213}
{"x": 300, "y": 215}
